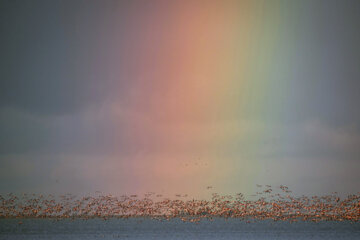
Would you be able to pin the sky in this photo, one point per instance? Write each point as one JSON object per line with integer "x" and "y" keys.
{"x": 127, "y": 97}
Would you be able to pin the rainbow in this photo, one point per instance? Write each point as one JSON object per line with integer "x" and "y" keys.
{"x": 204, "y": 79}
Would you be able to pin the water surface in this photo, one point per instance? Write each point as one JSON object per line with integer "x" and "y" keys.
{"x": 138, "y": 228}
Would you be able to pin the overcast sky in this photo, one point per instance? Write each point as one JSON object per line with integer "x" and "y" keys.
{"x": 86, "y": 97}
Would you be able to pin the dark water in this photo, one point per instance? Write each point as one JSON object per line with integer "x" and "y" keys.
{"x": 174, "y": 229}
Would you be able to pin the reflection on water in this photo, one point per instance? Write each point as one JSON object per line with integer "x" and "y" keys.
{"x": 146, "y": 228}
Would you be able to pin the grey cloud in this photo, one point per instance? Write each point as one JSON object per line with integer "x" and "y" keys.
{"x": 50, "y": 60}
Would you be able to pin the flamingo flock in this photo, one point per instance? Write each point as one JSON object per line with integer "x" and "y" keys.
{"x": 270, "y": 204}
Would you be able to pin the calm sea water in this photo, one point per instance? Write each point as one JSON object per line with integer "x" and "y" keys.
{"x": 174, "y": 229}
